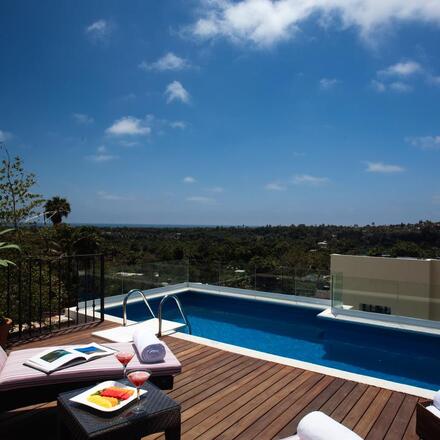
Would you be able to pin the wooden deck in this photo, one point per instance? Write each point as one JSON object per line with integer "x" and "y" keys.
{"x": 229, "y": 396}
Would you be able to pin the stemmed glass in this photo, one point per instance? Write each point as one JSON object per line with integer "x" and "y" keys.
{"x": 138, "y": 378}
{"x": 124, "y": 357}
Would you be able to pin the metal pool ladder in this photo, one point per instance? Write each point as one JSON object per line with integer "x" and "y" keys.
{"x": 124, "y": 305}
{"x": 179, "y": 306}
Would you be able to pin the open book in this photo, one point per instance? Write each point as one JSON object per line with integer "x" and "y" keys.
{"x": 57, "y": 358}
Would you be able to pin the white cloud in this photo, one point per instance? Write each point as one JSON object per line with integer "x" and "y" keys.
{"x": 82, "y": 118}
{"x": 425, "y": 142}
{"x": 400, "y": 87}
{"x": 379, "y": 86}
{"x": 189, "y": 179}
{"x": 267, "y": 22}
{"x": 275, "y": 186}
{"x": 178, "y": 124}
{"x": 5, "y": 135}
{"x": 380, "y": 167}
{"x": 176, "y": 91}
{"x": 113, "y": 197}
{"x": 99, "y": 30}
{"x": 402, "y": 69}
{"x": 434, "y": 80}
{"x": 102, "y": 155}
{"x": 128, "y": 144}
{"x": 168, "y": 62}
{"x": 129, "y": 126}
{"x": 200, "y": 199}
{"x": 395, "y": 86}
{"x": 306, "y": 179}
{"x": 328, "y": 83}
{"x": 215, "y": 189}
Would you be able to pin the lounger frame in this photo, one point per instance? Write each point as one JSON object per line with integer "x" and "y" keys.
{"x": 21, "y": 397}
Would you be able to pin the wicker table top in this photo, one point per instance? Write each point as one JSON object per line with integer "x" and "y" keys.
{"x": 159, "y": 413}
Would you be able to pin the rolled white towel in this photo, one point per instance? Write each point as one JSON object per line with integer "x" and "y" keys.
{"x": 434, "y": 410}
{"x": 436, "y": 399}
{"x": 318, "y": 426}
{"x": 150, "y": 349}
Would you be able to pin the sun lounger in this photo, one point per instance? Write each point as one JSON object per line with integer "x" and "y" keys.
{"x": 21, "y": 385}
{"x": 319, "y": 426}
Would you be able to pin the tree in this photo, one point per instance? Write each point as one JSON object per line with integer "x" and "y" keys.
{"x": 17, "y": 202}
{"x": 56, "y": 208}
{"x": 6, "y": 246}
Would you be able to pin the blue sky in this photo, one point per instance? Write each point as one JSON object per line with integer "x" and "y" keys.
{"x": 221, "y": 112}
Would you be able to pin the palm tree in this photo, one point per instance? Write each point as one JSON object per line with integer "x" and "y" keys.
{"x": 56, "y": 208}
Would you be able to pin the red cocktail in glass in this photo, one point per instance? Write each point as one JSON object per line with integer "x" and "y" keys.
{"x": 124, "y": 358}
{"x": 138, "y": 378}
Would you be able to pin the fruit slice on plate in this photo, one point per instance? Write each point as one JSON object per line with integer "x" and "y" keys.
{"x": 118, "y": 393}
{"x": 106, "y": 402}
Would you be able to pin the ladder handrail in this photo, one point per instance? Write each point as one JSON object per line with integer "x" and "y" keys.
{"x": 124, "y": 304}
{"x": 179, "y": 306}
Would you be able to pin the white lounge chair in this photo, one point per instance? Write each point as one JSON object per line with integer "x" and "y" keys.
{"x": 21, "y": 385}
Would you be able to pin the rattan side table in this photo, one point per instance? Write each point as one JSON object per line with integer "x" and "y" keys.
{"x": 160, "y": 414}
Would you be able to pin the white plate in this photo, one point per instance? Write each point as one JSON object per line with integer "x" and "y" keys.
{"x": 82, "y": 398}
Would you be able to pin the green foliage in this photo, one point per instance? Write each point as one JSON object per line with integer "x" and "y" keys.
{"x": 56, "y": 208}
{"x": 4, "y": 246}
{"x": 17, "y": 202}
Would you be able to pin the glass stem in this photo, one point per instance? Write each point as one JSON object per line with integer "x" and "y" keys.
{"x": 138, "y": 395}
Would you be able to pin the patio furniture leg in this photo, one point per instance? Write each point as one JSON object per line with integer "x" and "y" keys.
{"x": 173, "y": 433}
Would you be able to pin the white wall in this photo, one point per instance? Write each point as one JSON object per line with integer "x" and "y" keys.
{"x": 410, "y": 287}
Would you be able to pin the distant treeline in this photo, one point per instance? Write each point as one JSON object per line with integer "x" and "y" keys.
{"x": 267, "y": 247}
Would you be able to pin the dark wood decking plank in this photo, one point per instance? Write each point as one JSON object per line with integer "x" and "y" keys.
{"x": 372, "y": 413}
{"x": 410, "y": 432}
{"x": 209, "y": 391}
{"x": 190, "y": 365}
{"x": 347, "y": 404}
{"x": 384, "y": 421}
{"x": 194, "y": 414}
{"x": 197, "y": 364}
{"x": 402, "y": 419}
{"x": 209, "y": 369}
{"x": 358, "y": 410}
{"x": 286, "y": 409}
{"x": 337, "y": 398}
{"x": 314, "y": 405}
{"x": 221, "y": 377}
{"x": 220, "y": 421}
{"x": 192, "y": 352}
{"x": 277, "y": 403}
{"x": 199, "y": 412}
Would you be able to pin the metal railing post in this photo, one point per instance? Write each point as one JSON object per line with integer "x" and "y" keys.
{"x": 101, "y": 287}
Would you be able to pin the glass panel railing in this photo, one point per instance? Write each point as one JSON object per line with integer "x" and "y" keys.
{"x": 281, "y": 279}
{"x": 119, "y": 280}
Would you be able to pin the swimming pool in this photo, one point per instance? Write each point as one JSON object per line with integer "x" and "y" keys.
{"x": 296, "y": 332}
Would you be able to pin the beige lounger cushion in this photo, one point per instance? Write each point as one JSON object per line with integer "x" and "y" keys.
{"x": 15, "y": 375}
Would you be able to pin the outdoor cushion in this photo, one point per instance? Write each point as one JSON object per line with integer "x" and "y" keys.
{"x": 15, "y": 375}
{"x": 3, "y": 358}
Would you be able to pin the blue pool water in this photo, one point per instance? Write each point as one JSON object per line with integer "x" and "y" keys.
{"x": 296, "y": 332}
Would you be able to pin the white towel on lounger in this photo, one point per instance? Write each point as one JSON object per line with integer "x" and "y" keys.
{"x": 436, "y": 400}
{"x": 434, "y": 410}
{"x": 150, "y": 349}
{"x": 318, "y": 426}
